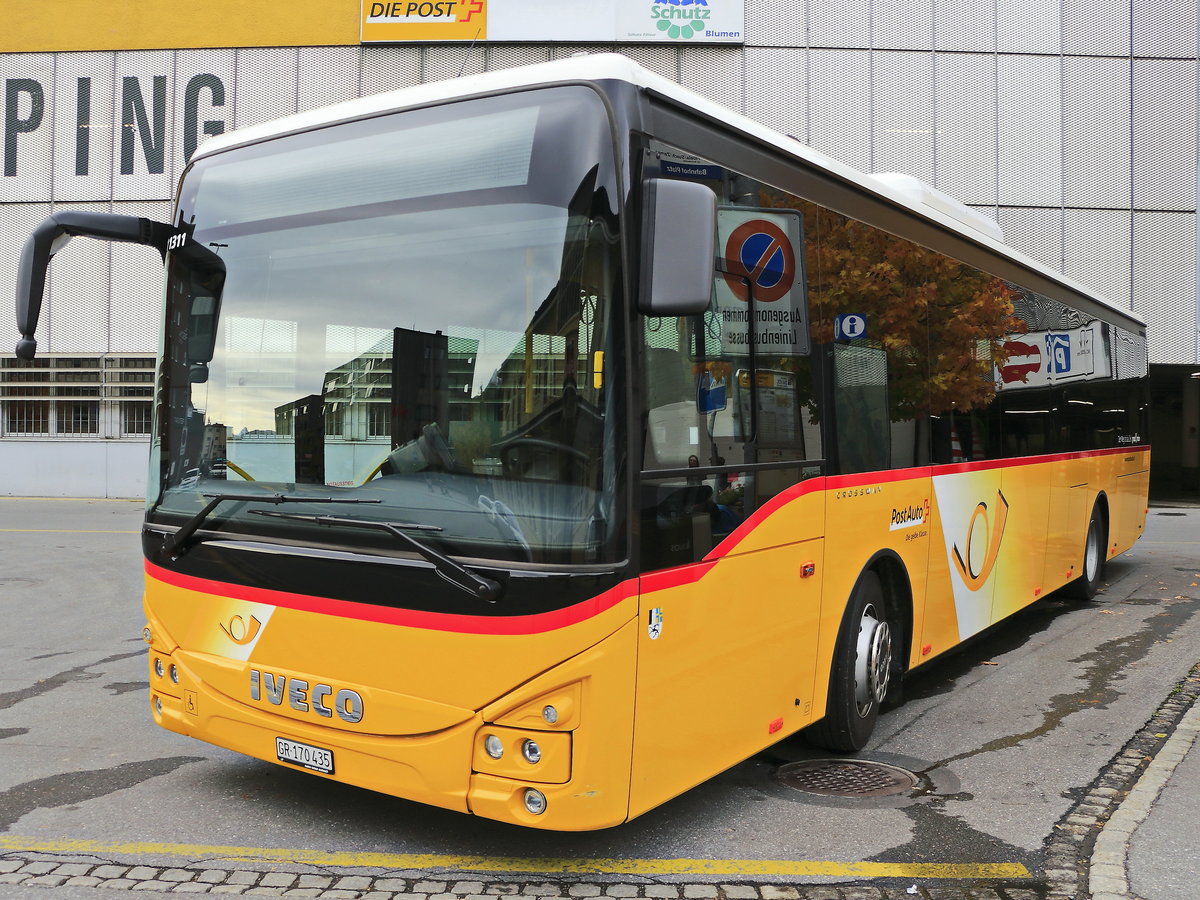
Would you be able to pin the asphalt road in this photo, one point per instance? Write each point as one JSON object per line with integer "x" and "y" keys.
{"x": 1005, "y": 735}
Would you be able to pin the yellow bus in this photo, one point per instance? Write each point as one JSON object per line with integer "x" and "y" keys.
{"x": 540, "y": 444}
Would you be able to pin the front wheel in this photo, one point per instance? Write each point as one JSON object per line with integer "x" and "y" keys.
{"x": 1088, "y": 583}
{"x": 861, "y": 671}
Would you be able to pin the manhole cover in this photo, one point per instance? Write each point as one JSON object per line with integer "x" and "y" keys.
{"x": 846, "y": 778}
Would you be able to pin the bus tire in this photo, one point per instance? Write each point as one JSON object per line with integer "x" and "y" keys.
{"x": 861, "y": 672}
{"x": 1095, "y": 542}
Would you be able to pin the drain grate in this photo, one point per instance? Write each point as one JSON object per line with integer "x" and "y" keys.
{"x": 846, "y": 778}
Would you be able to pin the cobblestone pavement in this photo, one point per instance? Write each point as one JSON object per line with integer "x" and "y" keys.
{"x": 1069, "y": 852}
{"x": 185, "y": 880}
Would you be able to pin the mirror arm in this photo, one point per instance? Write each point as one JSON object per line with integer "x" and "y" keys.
{"x": 51, "y": 236}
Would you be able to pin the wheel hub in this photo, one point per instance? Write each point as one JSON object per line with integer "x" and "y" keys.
{"x": 873, "y": 663}
{"x": 1091, "y": 553}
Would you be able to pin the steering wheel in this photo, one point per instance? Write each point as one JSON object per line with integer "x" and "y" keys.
{"x": 429, "y": 452}
{"x": 520, "y": 458}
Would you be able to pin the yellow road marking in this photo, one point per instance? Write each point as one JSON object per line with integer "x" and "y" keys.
{"x": 535, "y": 865}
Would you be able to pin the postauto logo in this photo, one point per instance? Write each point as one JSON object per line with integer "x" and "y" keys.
{"x": 681, "y": 19}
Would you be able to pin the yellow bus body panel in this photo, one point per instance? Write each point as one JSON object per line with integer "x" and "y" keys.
{"x": 727, "y": 650}
{"x": 425, "y": 694}
{"x": 745, "y": 644}
{"x": 661, "y": 683}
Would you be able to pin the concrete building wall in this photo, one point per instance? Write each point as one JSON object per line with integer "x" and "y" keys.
{"x": 66, "y": 468}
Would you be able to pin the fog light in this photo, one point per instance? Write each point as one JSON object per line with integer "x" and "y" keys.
{"x": 174, "y": 673}
{"x": 494, "y": 746}
{"x": 158, "y": 667}
{"x": 535, "y": 801}
{"x": 550, "y": 714}
{"x": 158, "y": 705}
{"x": 531, "y": 751}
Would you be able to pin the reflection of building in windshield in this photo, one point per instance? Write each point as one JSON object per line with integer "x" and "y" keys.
{"x": 474, "y": 391}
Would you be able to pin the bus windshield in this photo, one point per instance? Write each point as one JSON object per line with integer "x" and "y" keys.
{"x": 419, "y": 313}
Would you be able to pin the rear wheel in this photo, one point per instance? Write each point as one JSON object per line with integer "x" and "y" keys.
{"x": 1095, "y": 543}
{"x": 861, "y": 672}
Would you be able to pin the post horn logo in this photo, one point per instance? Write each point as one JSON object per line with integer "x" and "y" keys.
{"x": 974, "y": 577}
{"x": 241, "y": 632}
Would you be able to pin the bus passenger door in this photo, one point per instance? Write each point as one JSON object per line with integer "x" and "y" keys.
{"x": 726, "y": 655}
{"x": 732, "y": 543}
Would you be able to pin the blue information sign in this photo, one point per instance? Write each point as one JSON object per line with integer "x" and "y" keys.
{"x": 849, "y": 327}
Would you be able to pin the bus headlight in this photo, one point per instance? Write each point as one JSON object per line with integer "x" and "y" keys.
{"x": 525, "y": 756}
{"x": 158, "y": 667}
{"x": 557, "y": 709}
{"x": 535, "y": 801}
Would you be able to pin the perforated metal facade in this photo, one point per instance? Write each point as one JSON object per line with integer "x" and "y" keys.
{"x": 1073, "y": 123}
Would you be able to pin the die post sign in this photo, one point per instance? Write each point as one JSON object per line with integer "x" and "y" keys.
{"x": 571, "y": 21}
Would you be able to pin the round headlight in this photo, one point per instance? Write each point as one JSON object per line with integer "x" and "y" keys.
{"x": 174, "y": 673}
{"x": 531, "y": 751}
{"x": 158, "y": 667}
{"x": 550, "y": 714}
{"x": 535, "y": 801}
{"x": 494, "y": 746}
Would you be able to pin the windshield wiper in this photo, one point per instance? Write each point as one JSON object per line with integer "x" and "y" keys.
{"x": 453, "y": 572}
{"x": 175, "y": 545}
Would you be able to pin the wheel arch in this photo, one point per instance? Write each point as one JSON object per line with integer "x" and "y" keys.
{"x": 846, "y": 727}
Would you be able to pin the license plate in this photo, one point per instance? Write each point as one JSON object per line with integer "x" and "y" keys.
{"x": 316, "y": 758}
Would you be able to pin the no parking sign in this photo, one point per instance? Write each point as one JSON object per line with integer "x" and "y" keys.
{"x": 763, "y": 250}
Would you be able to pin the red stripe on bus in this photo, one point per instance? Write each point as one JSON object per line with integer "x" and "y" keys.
{"x": 985, "y": 464}
{"x": 579, "y": 612}
{"x": 764, "y": 512}
{"x": 433, "y": 621}
{"x": 809, "y": 486}
{"x": 858, "y": 479}
{"x": 662, "y": 579}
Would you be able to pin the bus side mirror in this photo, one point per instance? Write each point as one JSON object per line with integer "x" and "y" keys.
{"x": 52, "y": 235}
{"x": 681, "y": 235}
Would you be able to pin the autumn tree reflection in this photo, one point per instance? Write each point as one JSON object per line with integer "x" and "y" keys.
{"x": 942, "y": 323}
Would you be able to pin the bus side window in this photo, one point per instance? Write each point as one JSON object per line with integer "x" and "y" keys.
{"x": 680, "y": 516}
{"x": 673, "y": 428}
{"x": 860, "y": 393}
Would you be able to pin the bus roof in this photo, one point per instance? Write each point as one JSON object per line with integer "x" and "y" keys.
{"x": 902, "y": 191}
